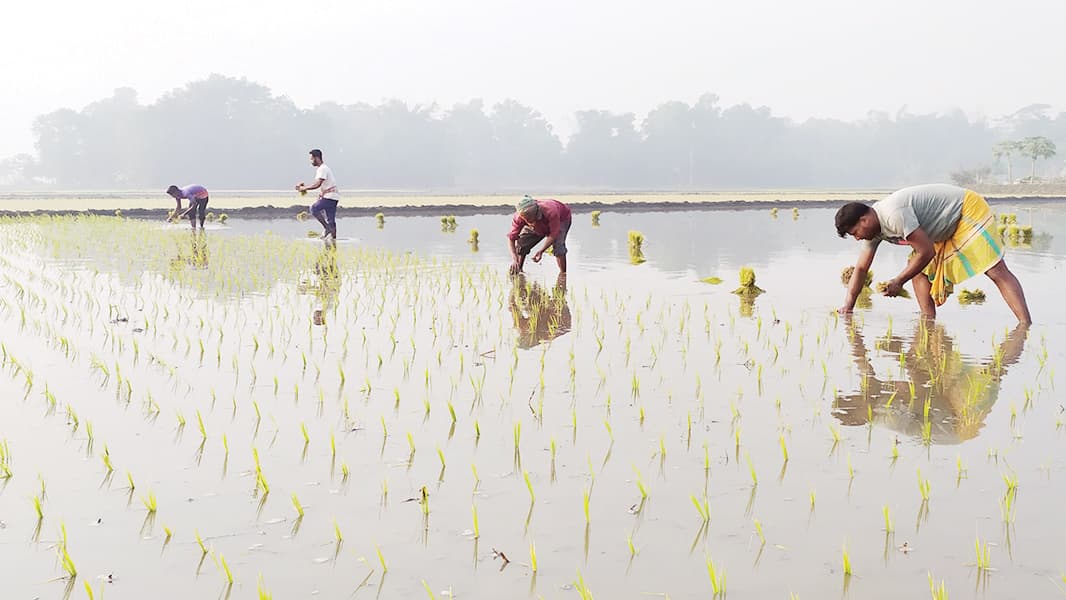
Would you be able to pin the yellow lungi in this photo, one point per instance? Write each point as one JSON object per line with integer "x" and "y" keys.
{"x": 974, "y": 248}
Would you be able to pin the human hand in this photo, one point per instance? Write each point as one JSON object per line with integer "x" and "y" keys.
{"x": 537, "y": 256}
{"x": 300, "y": 187}
{"x": 892, "y": 288}
{"x": 515, "y": 269}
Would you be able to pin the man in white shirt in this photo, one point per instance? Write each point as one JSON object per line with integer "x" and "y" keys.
{"x": 325, "y": 207}
{"x": 952, "y": 234}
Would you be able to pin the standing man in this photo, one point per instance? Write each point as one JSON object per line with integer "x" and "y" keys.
{"x": 536, "y": 220}
{"x": 197, "y": 197}
{"x": 325, "y": 207}
{"x": 952, "y": 235}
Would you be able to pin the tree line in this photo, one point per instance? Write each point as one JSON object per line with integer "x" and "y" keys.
{"x": 230, "y": 133}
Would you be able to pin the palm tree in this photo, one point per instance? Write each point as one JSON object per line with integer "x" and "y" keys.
{"x": 1036, "y": 147}
{"x": 1004, "y": 150}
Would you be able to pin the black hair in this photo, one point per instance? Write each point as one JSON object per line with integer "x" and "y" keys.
{"x": 849, "y": 215}
{"x": 173, "y": 189}
{"x": 316, "y": 153}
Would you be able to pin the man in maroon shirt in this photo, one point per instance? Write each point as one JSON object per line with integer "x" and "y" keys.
{"x": 536, "y": 220}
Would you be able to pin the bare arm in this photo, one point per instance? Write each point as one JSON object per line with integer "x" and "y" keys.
{"x": 512, "y": 245}
{"x": 548, "y": 241}
{"x": 923, "y": 253}
{"x": 318, "y": 183}
{"x": 858, "y": 277}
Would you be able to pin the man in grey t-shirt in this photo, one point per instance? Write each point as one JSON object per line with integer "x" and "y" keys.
{"x": 952, "y": 233}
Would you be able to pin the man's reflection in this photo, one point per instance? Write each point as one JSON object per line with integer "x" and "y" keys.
{"x": 324, "y": 283}
{"x": 539, "y": 315}
{"x": 196, "y": 254}
{"x": 960, "y": 391}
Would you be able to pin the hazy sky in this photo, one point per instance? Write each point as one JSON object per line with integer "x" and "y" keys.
{"x": 832, "y": 58}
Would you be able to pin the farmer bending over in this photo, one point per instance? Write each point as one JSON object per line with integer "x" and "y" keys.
{"x": 536, "y": 220}
{"x": 197, "y": 197}
{"x": 952, "y": 233}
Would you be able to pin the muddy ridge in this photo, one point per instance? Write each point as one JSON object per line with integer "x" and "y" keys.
{"x": 275, "y": 212}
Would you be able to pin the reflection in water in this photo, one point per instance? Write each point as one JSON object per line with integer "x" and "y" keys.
{"x": 196, "y": 256}
{"x": 936, "y": 394}
{"x": 539, "y": 316}
{"x": 324, "y": 282}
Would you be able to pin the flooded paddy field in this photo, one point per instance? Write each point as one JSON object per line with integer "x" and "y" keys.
{"x": 247, "y": 411}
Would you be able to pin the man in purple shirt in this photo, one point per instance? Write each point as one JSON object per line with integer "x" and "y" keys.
{"x": 197, "y": 197}
{"x": 536, "y": 220}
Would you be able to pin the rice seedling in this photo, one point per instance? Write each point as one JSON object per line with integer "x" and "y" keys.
{"x": 747, "y": 284}
{"x": 533, "y": 556}
{"x": 150, "y": 502}
{"x": 717, "y": 578}
{"x": 299, "y": 507}
{"x": 938, "y": 592}
{"x": 529, "y": 486}
{"x": 888, "y": 520}
{"x": 106, "y": 457}
{"x": 924, "y": 487}
{"x": 643, "y": 489}
{"x": 65, "y": 561}
{"x": 582, "y": 589}
{"x": 758, "y": 531}
{"x": 261, "y": 591}
{"x": 1011, "y": 482}
{"x": 225, "y": 569}
{"x": 703, "y": 508}
{"x": 636, "y": 247}
{"x": 381, "y": 559}
{"x": 846, "y": 561}
{"x": 983, "y": 554}
{"x": 585, "y": 504}
{"x": 261, "y": 482}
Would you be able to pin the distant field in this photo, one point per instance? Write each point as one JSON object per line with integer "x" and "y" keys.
{"x": 247, "y": 202}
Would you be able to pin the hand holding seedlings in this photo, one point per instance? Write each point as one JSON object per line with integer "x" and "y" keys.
{"x": 890, "y": 288}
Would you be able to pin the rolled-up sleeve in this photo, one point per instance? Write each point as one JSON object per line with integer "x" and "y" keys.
{"x": 516, "y": 227}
